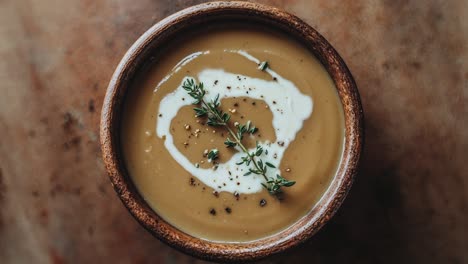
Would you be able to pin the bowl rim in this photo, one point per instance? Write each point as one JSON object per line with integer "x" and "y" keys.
{"x": 305, "y": 227}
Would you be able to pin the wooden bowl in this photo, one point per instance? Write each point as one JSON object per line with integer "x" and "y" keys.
{"x": 140, "y": 54}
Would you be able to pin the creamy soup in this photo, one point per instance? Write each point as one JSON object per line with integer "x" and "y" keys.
{"x": 181, "y": 164}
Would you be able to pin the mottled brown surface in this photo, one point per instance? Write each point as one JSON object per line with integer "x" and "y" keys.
{"x": 410, "y": 200}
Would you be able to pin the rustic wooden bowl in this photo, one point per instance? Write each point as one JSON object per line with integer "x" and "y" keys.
{"x": 140, "y": 54}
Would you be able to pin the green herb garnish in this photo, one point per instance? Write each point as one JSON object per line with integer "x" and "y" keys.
{"x": 217, "y": 117}
{"x": 213, "y": 154}
{"x": 263, "y": 65}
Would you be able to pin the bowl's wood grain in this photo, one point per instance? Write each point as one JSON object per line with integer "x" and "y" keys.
{"x": 198, "y": 16}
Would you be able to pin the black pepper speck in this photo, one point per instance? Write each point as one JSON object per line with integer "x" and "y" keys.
{"x": 237, "y": 195}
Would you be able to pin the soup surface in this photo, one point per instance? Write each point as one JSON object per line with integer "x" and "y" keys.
{"x": 291, "y": 100}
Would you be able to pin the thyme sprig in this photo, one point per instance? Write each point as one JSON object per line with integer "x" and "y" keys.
{"x": 217, "y": 117}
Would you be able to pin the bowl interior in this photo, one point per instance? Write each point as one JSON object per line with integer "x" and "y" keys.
{"x": 144, "y": 52}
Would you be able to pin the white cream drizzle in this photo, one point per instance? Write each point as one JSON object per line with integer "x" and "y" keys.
{"x": 289, "y": 111}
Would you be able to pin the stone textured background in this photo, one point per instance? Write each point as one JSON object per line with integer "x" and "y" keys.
{"x": 409, "y": 203}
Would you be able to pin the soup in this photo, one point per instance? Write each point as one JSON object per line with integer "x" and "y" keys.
{"x": 257, "y": 165}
